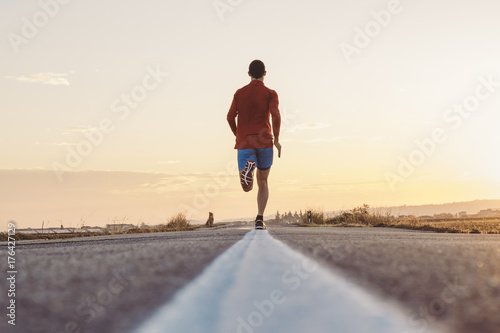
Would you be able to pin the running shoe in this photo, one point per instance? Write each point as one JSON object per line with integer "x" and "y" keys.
{"x": 260, "y": 225}
{"x": 247, "y": 176}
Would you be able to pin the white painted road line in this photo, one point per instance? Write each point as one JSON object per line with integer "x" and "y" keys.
{"x": 261, "y": 285}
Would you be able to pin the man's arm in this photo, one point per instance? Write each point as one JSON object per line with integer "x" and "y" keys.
{"x": 276, "y": 118}
{"x": 231, "y": 116}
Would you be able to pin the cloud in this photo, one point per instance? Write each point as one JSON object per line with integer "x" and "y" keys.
{"x": 313, "y": 187}
{"x": 54, "y": 79}
{"x": 379, "y": 139}
{"x": 168, "y": 162}
{"x": 340, "y": 186}
{"x": 287, "y": 182}
{"x": 73, "y": 129}
{"x": 169, "y": 183}
{"x": 463, "y": 176}
{"x": 457, "y": 177}
{"x": 65, "y": 144}
{"x": 307, "y": 126}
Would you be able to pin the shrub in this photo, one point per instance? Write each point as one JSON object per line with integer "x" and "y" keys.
{"x": 317, "y": 216}
{"x": 362, "y": 215}
{"x": 178, "y": 222}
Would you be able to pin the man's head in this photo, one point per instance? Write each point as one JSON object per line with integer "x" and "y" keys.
{"x": 257, "y": 70}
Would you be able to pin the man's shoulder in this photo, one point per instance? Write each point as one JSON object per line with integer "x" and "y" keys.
{"x": 263, "y": 85}
{"x": 271, "y": 92}
{"x": 241, "y": 89}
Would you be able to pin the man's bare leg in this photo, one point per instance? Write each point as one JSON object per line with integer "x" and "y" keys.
{"x": 263, "y": 193}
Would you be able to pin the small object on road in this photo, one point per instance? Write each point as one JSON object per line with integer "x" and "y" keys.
{"x": 210, "y": 221}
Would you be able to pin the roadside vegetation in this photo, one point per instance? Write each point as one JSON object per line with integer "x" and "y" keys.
{"x": 363, "y": 216}
{"x": 178, "y": 222}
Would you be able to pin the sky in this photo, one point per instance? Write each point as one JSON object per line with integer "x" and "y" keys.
{"x": 116, "y": 110}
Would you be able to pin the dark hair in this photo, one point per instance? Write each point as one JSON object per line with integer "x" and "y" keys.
{"x": 257, "y": 69}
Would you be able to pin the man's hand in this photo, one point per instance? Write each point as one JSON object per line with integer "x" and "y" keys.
{"x": 278, "y": 145}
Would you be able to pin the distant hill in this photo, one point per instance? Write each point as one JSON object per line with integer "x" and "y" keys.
{"x": 471, "y": 207}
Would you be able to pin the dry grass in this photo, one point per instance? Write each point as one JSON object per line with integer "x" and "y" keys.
{"x": 363, "y": 216}
{"x": 176, "y": 223}
{"x": 22, "y": 236}
{"x": 463, "y": 226}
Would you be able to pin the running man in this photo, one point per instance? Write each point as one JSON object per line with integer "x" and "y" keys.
{"x": 253, "y": 104}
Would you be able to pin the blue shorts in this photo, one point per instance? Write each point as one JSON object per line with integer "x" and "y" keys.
{"x": 263, "y": 157}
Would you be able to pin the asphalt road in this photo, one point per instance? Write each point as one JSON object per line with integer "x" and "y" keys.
{"x": 109, "y": 285}
{"x": 450, "y": 279}
{"x": 112, "y": 284}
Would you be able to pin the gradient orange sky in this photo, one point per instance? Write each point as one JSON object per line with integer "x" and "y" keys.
{"x": 139, "y": 91}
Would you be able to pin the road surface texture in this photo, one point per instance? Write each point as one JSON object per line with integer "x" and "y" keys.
{"x": 108, "y": 286}
{"x": 112, "y": 284}
{"x": 448, "y": 278}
